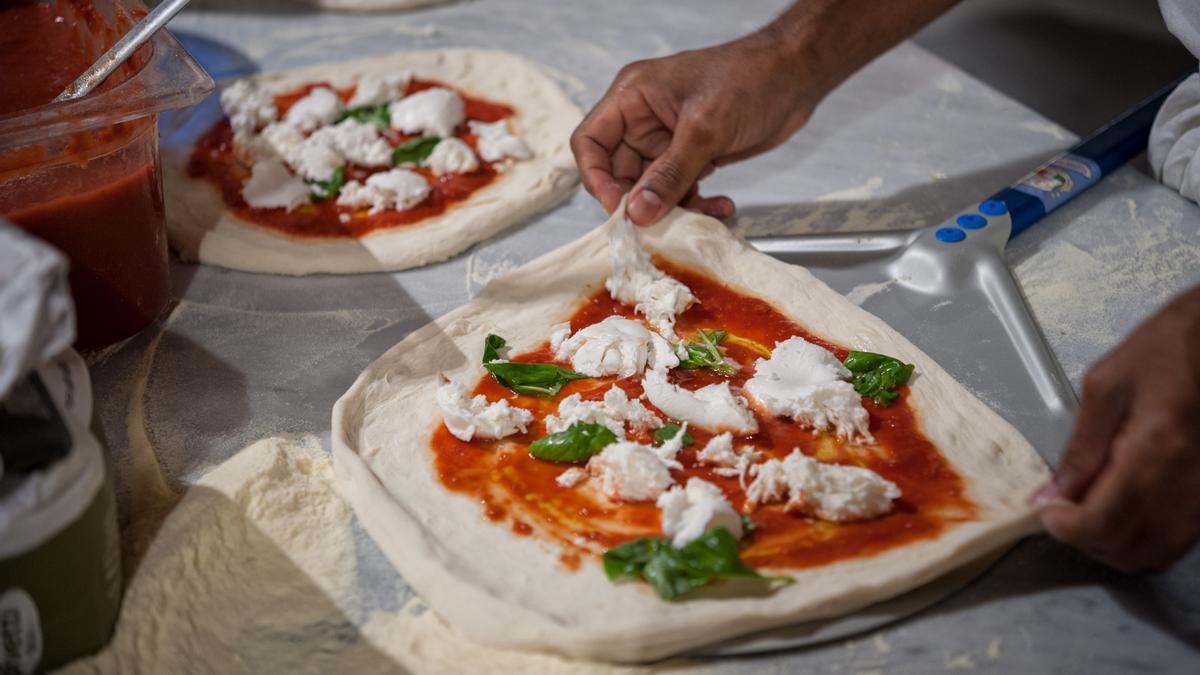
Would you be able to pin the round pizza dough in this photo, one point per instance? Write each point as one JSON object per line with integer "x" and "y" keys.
{"x": 201, "y": 228}
{"x": 510, "y": 591}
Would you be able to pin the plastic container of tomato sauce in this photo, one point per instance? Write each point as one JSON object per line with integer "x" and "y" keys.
{"x": 85, "y": 175}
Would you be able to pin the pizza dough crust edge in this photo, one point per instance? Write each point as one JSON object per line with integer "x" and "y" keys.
{"x": 200, "y": 228}
{"x": 510, "y": 591}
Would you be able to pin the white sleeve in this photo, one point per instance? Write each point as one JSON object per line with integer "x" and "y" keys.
{"x": 1174, "y": 148}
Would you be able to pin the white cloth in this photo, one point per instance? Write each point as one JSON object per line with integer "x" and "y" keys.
{"x": 37, "y": 321}
{"x": 1174, "y": 148}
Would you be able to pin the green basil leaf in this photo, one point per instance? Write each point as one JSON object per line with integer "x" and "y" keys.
{"x": 369, "y": 113}
{"x": 492, "y": 345}
{"x": 667, "y": 431}
{"x": 575, "y": 444}
{"x": 878, "y": 375}
{"x": 703, "y": 352}
{"x": 328, "y": 189}
{"x": 532, "y": 379}
{"x": 415, "y": 151}
{"x": 673, "y": 572}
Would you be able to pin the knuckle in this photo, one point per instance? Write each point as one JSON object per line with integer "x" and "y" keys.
{"x": 702, "y": 126}
{"x": 668, "y": 174}
{"x": 577, "y": 138}
{"x": 632, "y": 70}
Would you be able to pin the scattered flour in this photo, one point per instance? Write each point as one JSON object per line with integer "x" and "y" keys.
{"x": 241, "y": 574}
{"x": 960, "y": 662}
{"x": 881, "y": 644}
{"x": 480, "y": 272}
{"x": 1048, "y": 128}
{"x": 950, "y": 84}
{"x": 863, "y": 292}
{"x": 427, "y": 31}
{"x": 859, "y": 193}
{"x": 1088, "y": 296}
{"x": 993, "y": 648}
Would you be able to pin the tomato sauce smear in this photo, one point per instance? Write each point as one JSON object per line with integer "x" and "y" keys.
{"x": 214, "y": 160}
{"x": 512, "y": 485}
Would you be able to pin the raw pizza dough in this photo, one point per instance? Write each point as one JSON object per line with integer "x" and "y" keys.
{"x": 509, "y": 591}
{"x": 200, "y": 228}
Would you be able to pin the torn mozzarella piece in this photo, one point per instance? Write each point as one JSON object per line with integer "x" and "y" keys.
{"x": 376, "y": 90}
{"x": 614, "y": 346}
{"x": 316, "y": 161}
{"x": 688, "y": 512}
{"x": 496, "y": 142}
{"x": 637, "y": 282}
{"x": 280, "y": 138}
{"x": 808, "y": 384}
{"x": 613, "y": 412}
{"x": 629, "y": 471}
{"x": 272, "y": 186}
{"x": 769, "y": 485}
{"x": 319, "y": 107}
{"x": 247, "y": 106}
{"x": 451, "y": 155}
{"x": 397, "y": 189}
{"x": 312, "y": 158}
{"x": 713, "y": 407}
{"x": 434, "y": 112}
{"x": 571, "y": 477}
{"x": 719, "y": 452}
{"x": 827, "y": 491}
{"x": 476, "y": 417}
{"x": 357, "y": 142}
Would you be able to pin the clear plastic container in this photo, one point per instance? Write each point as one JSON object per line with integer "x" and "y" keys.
{"x": 85, "y": 176}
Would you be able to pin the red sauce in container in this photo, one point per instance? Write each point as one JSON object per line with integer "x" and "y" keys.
{"x": 113, "y": 235}
{"x": 95, "y": 194}
{"x": 516, "y": 487}
{"x": 40, "y": 54}
{"x": 214, "y": 159}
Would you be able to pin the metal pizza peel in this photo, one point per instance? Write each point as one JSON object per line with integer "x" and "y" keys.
{"x": 949, "y": 290}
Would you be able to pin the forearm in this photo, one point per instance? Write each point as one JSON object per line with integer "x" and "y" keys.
{"x": 827, "y": 41}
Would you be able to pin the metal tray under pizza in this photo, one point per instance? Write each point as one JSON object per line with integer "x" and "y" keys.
{"x": 959, "y": 303}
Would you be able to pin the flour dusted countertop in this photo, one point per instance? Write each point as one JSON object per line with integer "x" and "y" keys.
{"x": 905, "y": 143}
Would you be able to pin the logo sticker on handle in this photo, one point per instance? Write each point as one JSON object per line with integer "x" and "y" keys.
{"x": 1059, "y": 179}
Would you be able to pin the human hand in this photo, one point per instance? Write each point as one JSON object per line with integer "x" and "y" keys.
{"x": 666, "y": 123}
{"x": 1127, "y": 490}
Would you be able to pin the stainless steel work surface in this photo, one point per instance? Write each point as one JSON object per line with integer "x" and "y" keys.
{"x": 904, "y": 144}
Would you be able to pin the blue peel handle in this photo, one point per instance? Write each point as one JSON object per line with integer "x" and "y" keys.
{"x": 1061, "y": 179}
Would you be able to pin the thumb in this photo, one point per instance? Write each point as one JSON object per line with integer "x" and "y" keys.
{"x": 667, "y": 180}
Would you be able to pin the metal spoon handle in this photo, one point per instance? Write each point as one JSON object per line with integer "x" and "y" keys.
{"x": 122, "y": 50}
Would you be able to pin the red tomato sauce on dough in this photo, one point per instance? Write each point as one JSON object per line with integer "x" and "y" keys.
{"x": 512, "y": 485}
{"x": 213, "y": 159}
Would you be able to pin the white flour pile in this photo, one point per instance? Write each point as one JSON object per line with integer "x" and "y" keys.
{"x": 254, "y": 571}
